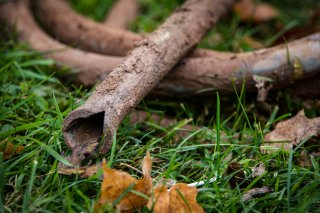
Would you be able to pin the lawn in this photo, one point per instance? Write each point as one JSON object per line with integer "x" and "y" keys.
{"x": 35, "y": 97}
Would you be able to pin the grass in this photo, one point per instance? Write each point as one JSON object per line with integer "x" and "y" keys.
{"x": 34, "y": 102}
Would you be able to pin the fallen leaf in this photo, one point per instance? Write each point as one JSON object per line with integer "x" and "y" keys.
{"x": 238, "y": 176}
{"x": 257, "y": 12}
{"x": 122, "y": 192}
{"x": 258, "y": 170}
{"x": 9, "y": 149}
{"x": 181, "y": 198}
{"x": 255, "y": 192}
{"x": 160, "y": 200}
{"x": 116, "y": 188}
{"x": 304, "y": 159}
{"x": 290, "y": 133}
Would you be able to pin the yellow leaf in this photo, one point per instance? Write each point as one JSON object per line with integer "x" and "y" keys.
{"x": 183, "y": 199}
{"x": 115, "y": 186}
{"x": 160, "y": 200}
{"x": 121, "y": 191}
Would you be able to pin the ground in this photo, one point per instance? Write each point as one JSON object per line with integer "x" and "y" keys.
{"x": 35, "y": 98}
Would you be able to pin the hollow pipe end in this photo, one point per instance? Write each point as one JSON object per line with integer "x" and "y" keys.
{"x": 85, "y": 134}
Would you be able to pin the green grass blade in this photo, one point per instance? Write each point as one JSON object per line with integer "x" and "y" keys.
{"x": 57, "y": 107}
{"x": 26, "y": 127}
{"x": 53, "y": 153}
{"x": 44, "y": 62}
{"x": 113, "y": 149}
{"x": 2, "y": 182}
{"x": 290, "y": 162}
{"x": 27, "y": 194}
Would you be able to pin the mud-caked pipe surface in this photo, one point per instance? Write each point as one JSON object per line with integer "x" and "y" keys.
{"x": 220, "y": 71}
{"x": 283, "y": 64}
{"x": 139, "y": 72}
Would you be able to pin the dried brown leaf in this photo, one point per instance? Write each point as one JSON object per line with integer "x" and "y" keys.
{"x": 238, "y": 177}
{"x": 9, "y": 149}
{"x": 304, "y": 159}
{"x": 258, "y": 170}
{"x": 183, "y": 199}
{"x": 256, "y": 192}
{"x": 257, "y": 12}
{"x": 147, "y": 165}
{"x": 115, "y": 183}
{"x": 160, "y": 200}
{"x": 291, "y": 132}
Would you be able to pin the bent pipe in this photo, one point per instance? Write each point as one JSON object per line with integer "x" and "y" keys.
{"x": 57, "y": 15}
{"x": 195, "y": 68}
{"x": 192, "y": 76}
{"x": 239, "y": 66}
{"x": 89, "y": 129}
